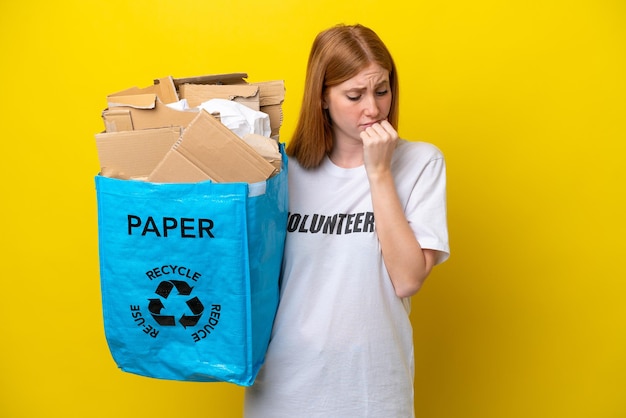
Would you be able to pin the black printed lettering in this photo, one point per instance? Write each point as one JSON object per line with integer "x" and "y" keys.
{"x": 209, "y": 326}
{"x": 150, "y": 227}
{"x": 294, "y": 221}
{"x": 205, "y": 225}
{"x": 315, "y": 225}
{"x": 369, "y": 222}
{"x": 169, "y": 226}
{"x": 303, "y": 223}
{"x": 169, "y": 269}
{"x": 349, "y": 222}
{"x": 357, "y": 222}
{"x": 329, "y": 226}
{"x": 337, "y": 224}
{"x": 342, "y": 216}
{"x": 184, "y": 227}
{"x": 133, "y": 222}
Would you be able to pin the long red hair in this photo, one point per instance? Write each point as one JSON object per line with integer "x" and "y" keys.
{"x": 337, "y": 54}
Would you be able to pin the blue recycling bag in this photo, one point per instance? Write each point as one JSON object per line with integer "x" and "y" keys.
{"x": 189, "y": 275}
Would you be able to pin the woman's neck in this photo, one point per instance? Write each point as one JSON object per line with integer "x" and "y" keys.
{"x": 347, "y": 155}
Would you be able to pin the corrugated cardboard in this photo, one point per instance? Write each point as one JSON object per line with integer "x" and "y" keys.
{"x": 266, "y": 147}
{"x": 137, "y": 100}
{"x": 144, "y": 108}
{"x": 134, "y": 154}
{"x": 196, "y": 94}
{"x": 272, "y": 96}
{"x": 163, "y": 88}
{"x": 145, "y": 139}
{"x": 271, "y": 93}
{"x": 208, "y": 150}
{"x": 117, "y": 120}
{"x": 229, "y": 78}
{"x": 143, "y": 111}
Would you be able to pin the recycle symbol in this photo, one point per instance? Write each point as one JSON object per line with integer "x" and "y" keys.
{"x": 164, "y": 289}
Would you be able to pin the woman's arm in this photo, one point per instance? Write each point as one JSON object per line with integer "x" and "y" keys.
{"x": 407, "y": 263}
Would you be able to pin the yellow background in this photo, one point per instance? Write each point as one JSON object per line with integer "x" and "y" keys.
{"x": 527, "y": 99}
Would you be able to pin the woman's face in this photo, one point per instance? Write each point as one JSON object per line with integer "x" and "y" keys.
{"x": 358, "y": 102}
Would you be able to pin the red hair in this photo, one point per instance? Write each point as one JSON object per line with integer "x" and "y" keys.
{"x": 337, "y": 54}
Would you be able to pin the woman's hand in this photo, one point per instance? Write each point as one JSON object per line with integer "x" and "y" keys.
{"x": 379, "y": 143}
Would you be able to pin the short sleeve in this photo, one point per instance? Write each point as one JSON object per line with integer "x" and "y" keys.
{"x": 426, "y": 208}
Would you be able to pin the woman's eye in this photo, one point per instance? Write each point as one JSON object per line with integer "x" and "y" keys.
{"x": 354, "y": 98}
{"x": 382, "y": 93}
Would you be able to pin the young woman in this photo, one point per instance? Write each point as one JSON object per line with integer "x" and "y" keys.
{"x": 367, "y": 224}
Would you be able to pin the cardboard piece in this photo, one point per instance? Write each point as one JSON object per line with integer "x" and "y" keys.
{"x": 272, "y": 96}
{"x": 266, "y": 147}
{"x": 271, "y": 93}
{"x": 163, "y": 88}
{"x": 117, "y": 120}
{"x": 137, "y": 101}
{"x": 207, "y": 150}
{"x": 143, "y": 112}
{"x": 144, "y": 108}
{"x": 229, "y": 79}
{"x": 196, "y": 94}
{"x": 134, "y": 154}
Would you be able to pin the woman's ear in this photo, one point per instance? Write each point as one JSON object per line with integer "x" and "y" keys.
{"x": 324, "y": 101}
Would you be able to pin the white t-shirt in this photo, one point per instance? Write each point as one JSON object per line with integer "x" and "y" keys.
{"x": 342, "y": 343}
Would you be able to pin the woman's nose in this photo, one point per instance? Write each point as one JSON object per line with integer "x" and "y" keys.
{"x": 370, "y": 105}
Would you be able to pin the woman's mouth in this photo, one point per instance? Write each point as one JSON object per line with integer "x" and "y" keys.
{"x": 364, "y": 126}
